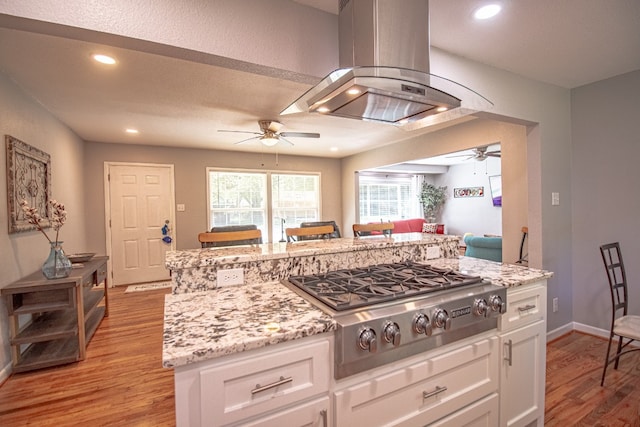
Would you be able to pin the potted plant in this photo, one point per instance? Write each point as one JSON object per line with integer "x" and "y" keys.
{"x": 432, "y": 199}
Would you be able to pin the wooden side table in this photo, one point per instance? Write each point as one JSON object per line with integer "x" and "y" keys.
{"x": 65, "y": 315}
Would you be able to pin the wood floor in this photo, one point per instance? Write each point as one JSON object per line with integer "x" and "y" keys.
{"x": 573, "y": 393}
{"x": 122, "y": 382}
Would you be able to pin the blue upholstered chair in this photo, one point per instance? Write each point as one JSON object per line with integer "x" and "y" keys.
{"x": 483, "y": 247}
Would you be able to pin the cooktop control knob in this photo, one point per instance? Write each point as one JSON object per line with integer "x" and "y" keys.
{"x": 496, "y": 304}
{"x": 391, "y": 333}
{"x": 367, "y": 340}
{"x": 421, "y": 324}
{"x": 480, "y": 307}
{"x": 441, "y": 319}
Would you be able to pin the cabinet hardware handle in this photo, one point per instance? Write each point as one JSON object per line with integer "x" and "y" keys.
{"x": 527, "y": 307}
{"x": 438, "y": 390}
{"x": 323, "y": 414}
{"x": 259, "y": 388}
{"x": 509, "y": 356}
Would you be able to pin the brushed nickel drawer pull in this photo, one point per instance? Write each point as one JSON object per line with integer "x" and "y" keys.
{"x": 527, "y": 307}
{"x": 438, "y": 390}
{"x": 281, "y": 381}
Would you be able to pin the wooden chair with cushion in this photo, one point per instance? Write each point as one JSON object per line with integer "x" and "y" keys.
{"x": 309, "y": 233}
{"x": 384, "y": 228}
{"x": 230, "y": 238}
{"x": 623, "y": 325}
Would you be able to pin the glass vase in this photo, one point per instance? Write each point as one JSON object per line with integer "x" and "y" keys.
{"x": 57, "y": 265}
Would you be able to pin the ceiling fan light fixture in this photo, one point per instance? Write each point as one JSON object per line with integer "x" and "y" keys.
{"x": 269, "y": 141}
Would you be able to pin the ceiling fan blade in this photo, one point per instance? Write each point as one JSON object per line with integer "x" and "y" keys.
{"x": 247, "y": 140}
{"x": 300, "y": 135}
{"x": 493, "y": 154}
{"x": 460, "y": 155}
{"x": 240, "y": 131}
{"x": 281, "y": 138}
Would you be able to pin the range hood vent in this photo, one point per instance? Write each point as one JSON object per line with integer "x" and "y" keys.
{"x": 384, "y": 75}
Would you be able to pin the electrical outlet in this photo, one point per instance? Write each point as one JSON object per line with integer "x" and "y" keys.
{"x": 433, "y": 252}
{"x": 555, "y": 305}
{"x": 232, "y": 276}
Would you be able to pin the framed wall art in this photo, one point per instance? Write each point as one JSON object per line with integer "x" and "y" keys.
{"x": 28, "y": 178}
{"x": 468, "y": 192}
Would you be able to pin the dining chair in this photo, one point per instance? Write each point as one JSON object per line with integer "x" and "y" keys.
{"x": 523, "y": 257}
{"x": 230, "y": 238}
{"x": 623, "y": 325}
{"x": 384, "y": 228}
{"x": 309, "y": 233}
{"x": 336, "y": 230}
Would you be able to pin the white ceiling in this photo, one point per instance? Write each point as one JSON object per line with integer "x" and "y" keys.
{"x": 184, "y": 103}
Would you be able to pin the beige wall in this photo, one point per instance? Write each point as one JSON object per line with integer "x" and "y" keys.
{"x": 24, "y": 253}
{"x": 190, "y": 182}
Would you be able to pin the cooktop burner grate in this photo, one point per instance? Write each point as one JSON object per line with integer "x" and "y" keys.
{"x": 347, "y": 289}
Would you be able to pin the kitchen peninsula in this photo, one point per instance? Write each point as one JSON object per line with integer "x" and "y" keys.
{"x": 263, "y": 354}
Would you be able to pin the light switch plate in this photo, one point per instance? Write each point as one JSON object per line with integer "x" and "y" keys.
{"x": 555, "y": 199}
{"x": 180, "y": 207}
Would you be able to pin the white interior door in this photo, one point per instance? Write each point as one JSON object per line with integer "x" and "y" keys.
{"x": 141, "y": 202}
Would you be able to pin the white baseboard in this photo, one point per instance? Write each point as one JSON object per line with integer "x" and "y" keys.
{"x": 564, "y": 329}
{"x": 575, "y": 326}
{"x": 5, "y": 373}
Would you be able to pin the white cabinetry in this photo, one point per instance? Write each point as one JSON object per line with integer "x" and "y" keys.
{"x": 523, "y": 356}
{"x": 274, "y": 386}
{"x": 425, "y": 391}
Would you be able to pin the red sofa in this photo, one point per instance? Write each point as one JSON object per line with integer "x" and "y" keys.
{"x": 415, "y": 225}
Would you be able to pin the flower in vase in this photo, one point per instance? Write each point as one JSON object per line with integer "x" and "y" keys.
{"x": 58, "y": 217}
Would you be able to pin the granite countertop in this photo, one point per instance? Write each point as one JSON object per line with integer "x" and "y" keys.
{"x": 234, "y": 254}
{"x": 203, "y": 325}
{"x": 508, "y": 275}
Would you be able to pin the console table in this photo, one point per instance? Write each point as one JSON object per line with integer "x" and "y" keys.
{"x": 65, "y": 315}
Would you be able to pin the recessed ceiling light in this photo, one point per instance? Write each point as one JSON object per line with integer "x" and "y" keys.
{"x": 333, "y": 149}
{"x": 132, "y": 131}
{"x": 487, "y": 11}
{"x": 441, "y": 109}
{"x": 353, "y": 91}
{"x": 104, "y": 59}
{"x": 323, "y": 110}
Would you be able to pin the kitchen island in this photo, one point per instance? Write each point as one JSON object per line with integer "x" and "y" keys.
{"x": 262, "y": 354}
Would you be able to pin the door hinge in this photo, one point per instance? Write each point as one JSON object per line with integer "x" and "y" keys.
{"x": 108, "y": 177}
{"x": 109, "y": 223}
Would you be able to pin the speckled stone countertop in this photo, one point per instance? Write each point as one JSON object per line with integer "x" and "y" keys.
{"x": 203, "y": 325}
{"x": 235, "y": 254}
{"x": 508, "y": 275}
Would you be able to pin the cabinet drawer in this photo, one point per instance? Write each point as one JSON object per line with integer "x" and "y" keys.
{"x": 481, "y": 413}
{"x": 525, "y": 305}
{"x": 424, "y": 392}
{"x": 313, "y": 414}
{"x": 101, "y": 274}
{"x": 245, "y": 388}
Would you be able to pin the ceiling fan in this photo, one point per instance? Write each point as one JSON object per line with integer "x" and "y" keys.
{"x": 479, "y": 154}
{"x": 270, "y": 134}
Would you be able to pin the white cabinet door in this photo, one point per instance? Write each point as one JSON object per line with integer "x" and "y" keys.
{"x": 522, "y": 375}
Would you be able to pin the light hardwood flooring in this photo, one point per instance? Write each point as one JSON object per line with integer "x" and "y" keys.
{"x": 122, "y": 382}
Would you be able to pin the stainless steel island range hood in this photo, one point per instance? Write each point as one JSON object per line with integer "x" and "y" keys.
{"x": 384, "y": 55}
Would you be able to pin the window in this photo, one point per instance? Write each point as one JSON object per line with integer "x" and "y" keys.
{"x": 386, "y": 197}
{"x": 271, "y": 201}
